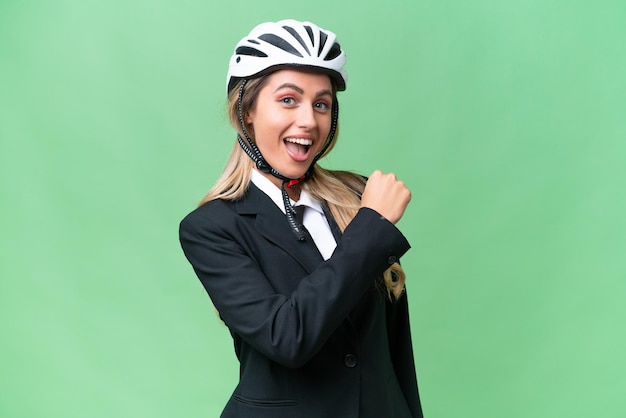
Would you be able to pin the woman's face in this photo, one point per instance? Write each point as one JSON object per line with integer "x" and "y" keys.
{"x": 291, "y": 120}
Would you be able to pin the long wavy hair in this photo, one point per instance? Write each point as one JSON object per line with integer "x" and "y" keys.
{"x": 340, "y": 191}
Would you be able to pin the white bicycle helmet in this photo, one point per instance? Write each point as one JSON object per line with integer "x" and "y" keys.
{"x": 287, "y": 44}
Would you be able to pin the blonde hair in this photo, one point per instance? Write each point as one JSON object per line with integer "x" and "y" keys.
{"x": 340, "y": 191}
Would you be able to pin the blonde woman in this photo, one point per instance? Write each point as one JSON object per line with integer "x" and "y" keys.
{"x": 300, "y": 262}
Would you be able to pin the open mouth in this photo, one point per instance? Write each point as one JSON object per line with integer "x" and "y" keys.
{"x": 298, "y": 148}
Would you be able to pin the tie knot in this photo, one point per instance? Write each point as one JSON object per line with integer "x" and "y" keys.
{"x": 299, "y": 213}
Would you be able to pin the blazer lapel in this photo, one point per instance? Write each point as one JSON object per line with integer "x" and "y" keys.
{"x": 334, "y": 228}
{"x": 272, "y": 223}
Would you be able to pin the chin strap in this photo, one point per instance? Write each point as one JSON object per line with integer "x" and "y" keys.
{"x": 290, "y": 211}
{"x": 254, "y": 153}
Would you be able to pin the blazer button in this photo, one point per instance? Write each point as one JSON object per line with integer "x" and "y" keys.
{"x": 392, "y": 259}
{"x": 350, "y": 360}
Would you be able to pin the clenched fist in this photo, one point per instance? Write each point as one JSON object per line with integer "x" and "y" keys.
{"x": 387, "y": 195}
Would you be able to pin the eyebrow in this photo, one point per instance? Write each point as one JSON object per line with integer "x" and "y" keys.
{"x": 299, "y": 90}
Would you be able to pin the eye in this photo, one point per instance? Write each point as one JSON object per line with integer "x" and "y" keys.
{"x": 322, "y": 105}
{"x": 287, "y": 100}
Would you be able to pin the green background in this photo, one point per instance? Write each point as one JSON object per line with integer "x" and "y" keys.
{"x": 505, "y": 118}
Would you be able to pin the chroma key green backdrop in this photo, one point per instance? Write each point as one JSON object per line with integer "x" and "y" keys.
{"x": 507, "y": 119}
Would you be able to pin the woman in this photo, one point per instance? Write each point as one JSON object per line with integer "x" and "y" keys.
{"x": 300, "y": 262}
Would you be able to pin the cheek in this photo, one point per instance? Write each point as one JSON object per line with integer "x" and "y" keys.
{"x": 271, "y": 126}
{"x": 255, "y": 122}
{"x": 266, "y": 134}
{"x": 324, "y": 125}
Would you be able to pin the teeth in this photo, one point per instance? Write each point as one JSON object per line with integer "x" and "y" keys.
{"x": 300, "y": 141}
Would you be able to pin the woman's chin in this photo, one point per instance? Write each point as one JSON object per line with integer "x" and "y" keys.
{"x": 294, "y": 174}
{"x": 294, "y": 169}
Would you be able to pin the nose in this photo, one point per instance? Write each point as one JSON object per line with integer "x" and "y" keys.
{"x": 306, "y": 117}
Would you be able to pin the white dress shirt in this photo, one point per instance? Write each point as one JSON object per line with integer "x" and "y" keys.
{"x": 314, "y": 219}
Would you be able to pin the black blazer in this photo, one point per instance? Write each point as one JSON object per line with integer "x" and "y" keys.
{"x": 314, "y": 338}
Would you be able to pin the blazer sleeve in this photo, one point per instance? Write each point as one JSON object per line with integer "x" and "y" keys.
{"x": 289, "y": 329}
{"x": 401, "y": 348}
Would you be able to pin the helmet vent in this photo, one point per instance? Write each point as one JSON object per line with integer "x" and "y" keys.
{"x": 246, "y": 50}
{"x": 310, "y": 32}
{"x": 280, "y": 43}
{"x": 323, "y": 38}
{"x": 295, "y": 34}
{"x": 254, "y": 41}
{"x": 334, "y": 52}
